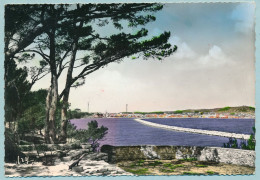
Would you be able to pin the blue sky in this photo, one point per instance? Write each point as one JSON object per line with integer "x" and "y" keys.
{"x": 213, "y": 66}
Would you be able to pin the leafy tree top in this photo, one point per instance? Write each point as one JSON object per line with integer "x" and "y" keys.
{"x": 76, "y": 28}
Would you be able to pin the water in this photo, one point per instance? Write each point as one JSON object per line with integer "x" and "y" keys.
{"x": 127, "y": 132}
{"x": 240, "y": 126}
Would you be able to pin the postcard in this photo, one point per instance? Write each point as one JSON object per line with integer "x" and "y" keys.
{"x": 129, "y": 89}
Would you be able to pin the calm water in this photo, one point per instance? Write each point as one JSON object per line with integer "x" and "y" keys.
{"x": 241, "y": 126}
{"x": 127, "y": 132}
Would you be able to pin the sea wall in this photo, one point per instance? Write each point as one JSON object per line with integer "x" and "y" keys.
{"x": 197, "y": 131}
{"x": 216, "y": 154}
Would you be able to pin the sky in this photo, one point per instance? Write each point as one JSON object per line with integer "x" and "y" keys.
{"x": 214, "y": 65}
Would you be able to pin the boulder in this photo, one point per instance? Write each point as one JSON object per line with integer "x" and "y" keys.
{"x": 77, "y": 169}
{"x": 66, "y": 159}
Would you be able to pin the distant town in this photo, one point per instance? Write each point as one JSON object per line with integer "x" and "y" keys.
{"x": 241, "y": 112}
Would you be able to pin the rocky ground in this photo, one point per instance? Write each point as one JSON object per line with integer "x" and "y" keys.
{"x": 55, "y": 160}
{"x": 61, "y": 168}
{"x": 183, "y": 167}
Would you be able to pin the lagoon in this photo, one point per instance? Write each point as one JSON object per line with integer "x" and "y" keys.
{"x": 127, "y": 132}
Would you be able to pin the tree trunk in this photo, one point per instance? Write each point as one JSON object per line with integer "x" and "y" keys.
{"x": 65, "y": 104}
{"x": 64, "y": 119}
{"x": 51, "y": 106}
{"x": 46, "y": 129}
{"x": 52, "y": 97}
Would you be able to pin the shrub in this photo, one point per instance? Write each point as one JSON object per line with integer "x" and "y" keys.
{"x": 92, "y": 135}
{"x": 232, "y": 143}
{"x": 244, "y": 144}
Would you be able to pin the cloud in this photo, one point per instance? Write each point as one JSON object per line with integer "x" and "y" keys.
{"x": 215, "y": 57}
{"x": 184, "y": 51}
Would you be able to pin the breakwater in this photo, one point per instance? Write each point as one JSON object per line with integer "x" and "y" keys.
{"x": 197, "y": 131}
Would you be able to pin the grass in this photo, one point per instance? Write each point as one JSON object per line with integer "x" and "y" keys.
{"x": 211, "y": 172}
{"x": 155, "y": 163}
{"x": 138, "y": 163}
{"x": 142, "y": 171}
{"x": 189, "y": 159}
{"x": 167, "y": 165}
{"x": 171, "y": 166}
{"x": 167, "y": 170}
{"x": 201, "y": 165}
{"x": 191, "y": 173}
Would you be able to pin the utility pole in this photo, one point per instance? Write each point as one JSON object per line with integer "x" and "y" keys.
{"x": 126, "y": 108}
{"x": 88, "y": 107}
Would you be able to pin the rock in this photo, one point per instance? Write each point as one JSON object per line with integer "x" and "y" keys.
{"x": 102, "y": 170}
{"x": 57, "y": 161}
{"x": 77, "y": 169}
{"x": 66, "y": 159}
{"x": 85, "y": 146}
{"x": 75, "y": 154}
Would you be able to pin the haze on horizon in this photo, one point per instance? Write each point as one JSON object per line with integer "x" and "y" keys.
{"x": 214, "y": 65}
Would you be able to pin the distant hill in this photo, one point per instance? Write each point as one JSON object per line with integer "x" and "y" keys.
{"x": 238, "y": 109}
{"x": 227, "y": 109}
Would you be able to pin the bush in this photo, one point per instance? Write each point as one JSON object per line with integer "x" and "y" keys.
{"x": 244, "y": 144}
{"x": 41, "y": 147}
{"x": 26, "y": 148}
{"x": 92, "y": 135}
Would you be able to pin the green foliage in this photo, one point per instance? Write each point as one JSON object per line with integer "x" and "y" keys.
{"x": 224, "y": 108}
{"x": 143, "y": 113}
{"x": 251, "y": 142}
{"x": 16, "y": 90}
{"x": 232, "y": 114}
{"x": 75, "y": 146}
{"x": 232, "y": 143}
{"x": 189, "y": 159}
{"x": 167, "y": 170}
{"x": 41, "y": 147}
{"x": 155, "y": 163}
{"x": 76, "y": 114}
{"x": 171, "y": 166}
{"x": 191, "y": 173}
{"x": 201, "y": 165}
{"x": 251, "y": 108}
{"x": 59, "y": 27}
{"x": 71, "y": 130}
{"x": 212, "y": 173}
{"x": 26, "y": 148}
{"x": 92, "y": 134}
{"x": 244, "y": 144}
{"x": 167, "y": 165}
{"x": 178, "y": 112}
{"x": 33, "y": 117}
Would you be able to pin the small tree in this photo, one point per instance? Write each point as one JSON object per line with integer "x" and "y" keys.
{"x": 93, "y": 134}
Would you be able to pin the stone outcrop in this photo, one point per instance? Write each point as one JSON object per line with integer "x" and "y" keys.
{"x": 216, "y": 154}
